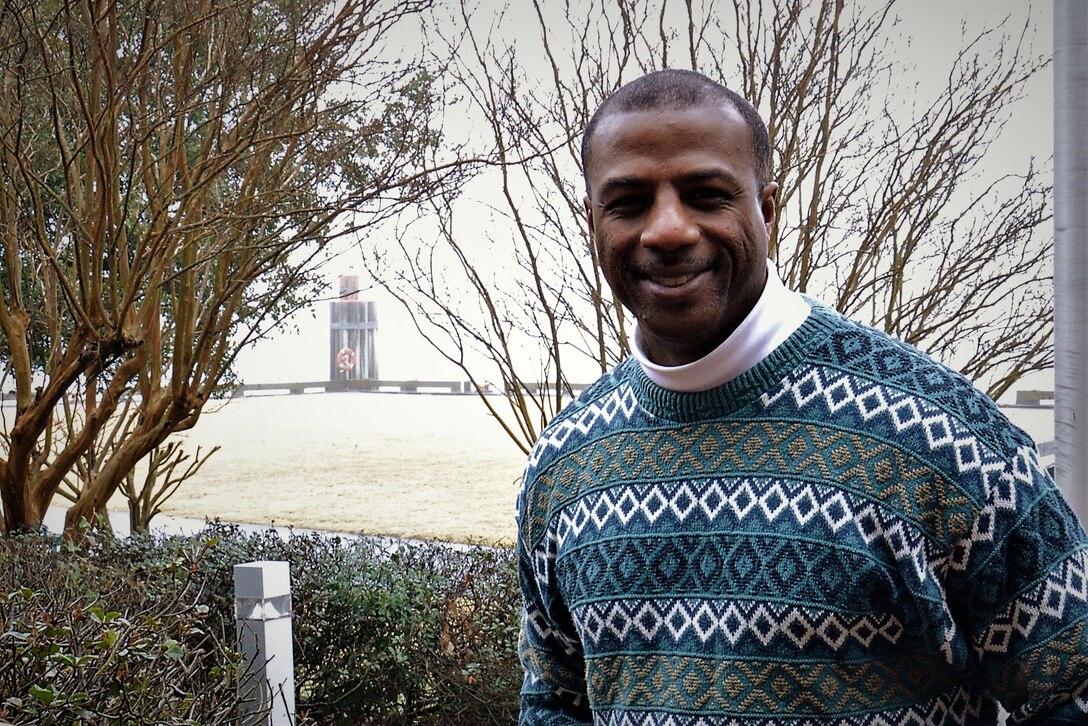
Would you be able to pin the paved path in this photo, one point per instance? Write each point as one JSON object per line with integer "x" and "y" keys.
{"x": 163, "y": 524}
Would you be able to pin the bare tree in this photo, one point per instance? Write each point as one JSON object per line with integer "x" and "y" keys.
{"x": 168, "y": 467}
{"x": 888, "y": 210}
{"x": 169, "y": 176}
{"x": 144, "y": 488}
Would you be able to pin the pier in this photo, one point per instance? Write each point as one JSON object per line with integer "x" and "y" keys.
{"x": 376, "y": 385}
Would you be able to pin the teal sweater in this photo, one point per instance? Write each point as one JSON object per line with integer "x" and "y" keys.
{"x": 847, "y": 533}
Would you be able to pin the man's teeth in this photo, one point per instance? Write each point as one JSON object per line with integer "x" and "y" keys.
{"x": 672, "y": 281}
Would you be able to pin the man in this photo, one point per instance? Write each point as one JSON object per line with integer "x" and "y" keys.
{"x": 771, "y": 514}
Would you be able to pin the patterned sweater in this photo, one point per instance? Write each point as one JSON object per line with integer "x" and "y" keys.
{"x": 847, "y": 533}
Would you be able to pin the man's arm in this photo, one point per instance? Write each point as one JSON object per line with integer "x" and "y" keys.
{"x": 554, "y": 690}
{"x": 1030, "y": 598}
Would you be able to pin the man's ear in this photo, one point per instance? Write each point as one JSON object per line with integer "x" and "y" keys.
{"x": 768, "y": 204}
{"x": 589, "y": 213}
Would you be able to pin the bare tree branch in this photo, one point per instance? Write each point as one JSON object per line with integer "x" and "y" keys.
{"x": 198, "y": 158}
{"x": 890, "y": 208}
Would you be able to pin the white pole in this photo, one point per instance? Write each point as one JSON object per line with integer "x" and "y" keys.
{"x": 262, "y": 601}
{"x": 1071, "y": 251}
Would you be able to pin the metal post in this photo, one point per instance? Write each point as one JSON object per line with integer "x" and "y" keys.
{"x": 262, "y": 600}
{"x": 1071, "y": 251}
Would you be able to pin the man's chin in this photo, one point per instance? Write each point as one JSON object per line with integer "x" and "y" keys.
{"x": 676, "y": 345}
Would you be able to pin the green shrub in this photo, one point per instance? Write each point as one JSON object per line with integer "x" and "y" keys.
{"x": 413, "y": 634}
{"x": 83, "y": 640}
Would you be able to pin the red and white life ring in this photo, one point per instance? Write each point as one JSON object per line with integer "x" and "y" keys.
{"x": 345, "y": 359}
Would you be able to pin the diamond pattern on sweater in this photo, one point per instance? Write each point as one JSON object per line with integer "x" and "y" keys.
{"x": 700, "y": 684}
{"x": 709, "y": 503}
{"x": 619, "y": 402}
{"x": 1047, "y": 600}
{"x": 720, "y": 622}
{"x": 835, "y": 391}
{"x": 876, "y": 356}
{"x": 794, "y": 570}
{"x": 547, "y": 634}
{"x": 871, "y": 468}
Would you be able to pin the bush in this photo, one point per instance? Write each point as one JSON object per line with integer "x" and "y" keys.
{"x": 83, "y": 640}
{"x": 412, "y": 634}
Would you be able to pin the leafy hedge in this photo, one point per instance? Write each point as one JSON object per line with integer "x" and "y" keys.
{"x": 85, "y": 638}
{"x": 141, "y": 630}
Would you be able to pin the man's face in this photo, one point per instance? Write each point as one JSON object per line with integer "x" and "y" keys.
{"x": 681, "y": 224}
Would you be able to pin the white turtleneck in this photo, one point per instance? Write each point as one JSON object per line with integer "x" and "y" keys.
{"x": 777, "y": 313}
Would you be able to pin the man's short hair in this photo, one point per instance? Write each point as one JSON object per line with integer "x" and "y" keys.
{"x": 675, "y": 88}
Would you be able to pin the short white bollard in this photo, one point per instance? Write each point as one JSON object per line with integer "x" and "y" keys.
{"x": 262, "y": 605}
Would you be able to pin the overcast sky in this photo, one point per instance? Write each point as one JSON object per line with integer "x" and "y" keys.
{"x": 934, "y": 28}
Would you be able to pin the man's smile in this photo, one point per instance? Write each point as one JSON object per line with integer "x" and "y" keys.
{"x": 672, "y": 281}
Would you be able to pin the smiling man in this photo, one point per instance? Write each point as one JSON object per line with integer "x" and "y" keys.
{"x": 681, "y": 215}
{"x": 771, "y": 514}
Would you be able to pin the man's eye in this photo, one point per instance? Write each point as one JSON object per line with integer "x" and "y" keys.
{"x": 707, "y": 198}
{"x": 626, "y": 206}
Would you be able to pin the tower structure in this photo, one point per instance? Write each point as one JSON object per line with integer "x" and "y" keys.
{"x": 352, "y": 323}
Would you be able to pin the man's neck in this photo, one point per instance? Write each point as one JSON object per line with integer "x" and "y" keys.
{"x": 777, "y": 314}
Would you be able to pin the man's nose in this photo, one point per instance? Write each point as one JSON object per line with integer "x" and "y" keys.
{"x": 669, "y": 224}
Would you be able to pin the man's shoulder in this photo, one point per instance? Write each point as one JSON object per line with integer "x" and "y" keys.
{"x": 886, "y": 371}
{"x": 607, "y": 400}
{"x": 604, "y": 388}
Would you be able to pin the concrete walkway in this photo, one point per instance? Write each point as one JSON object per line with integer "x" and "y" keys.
{"x": 166, "y": 525}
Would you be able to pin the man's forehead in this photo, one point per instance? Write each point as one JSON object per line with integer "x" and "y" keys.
{"x": 668, "y": 133}
{"x": 664, "y": 115}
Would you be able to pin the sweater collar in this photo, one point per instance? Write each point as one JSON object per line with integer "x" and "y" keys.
{"x": 776, "y": 315}
{"x": 741, "y": 391}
